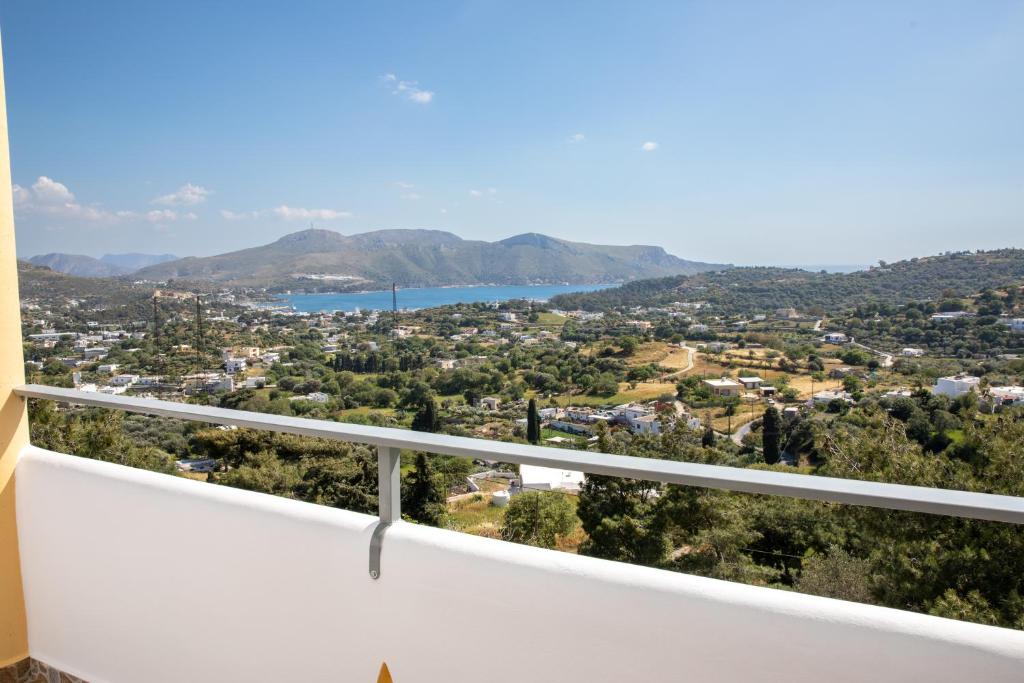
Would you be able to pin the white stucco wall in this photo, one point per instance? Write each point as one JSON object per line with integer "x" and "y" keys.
{"x": 132, "y": 576}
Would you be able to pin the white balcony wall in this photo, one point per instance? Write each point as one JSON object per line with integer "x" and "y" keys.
{"x": 132, "y": 576}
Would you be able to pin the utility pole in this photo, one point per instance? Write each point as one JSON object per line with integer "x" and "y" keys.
{"x": 199, "y": 338}
{"x": 394, "y": 307}
{"x": 156, "y": 332}
{"x": 156, "y": 320}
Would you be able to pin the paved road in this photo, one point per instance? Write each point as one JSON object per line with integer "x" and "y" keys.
{"x": 886, "y": 361}
{"x": 691, "y": 356}
{"x": 744, "y": 429}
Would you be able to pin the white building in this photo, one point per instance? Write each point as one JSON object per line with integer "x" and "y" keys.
{"x": 255, "y": 382}
{"x": 95, "y": 352}
{"x": 751, "y": 382}
{"x": 235, "y": 365}
{"x": 631, "y": 411}
{"x": 956, "y": 385}
{"x": 645, "y": 424}
{"x": 835, "y": 338}
{"x": 270, "y": 357}
{"x": 724, "y": 386}
{"x": 824, "y": 397}
{"x": 315, "y": 397}
{"x": 536, "y": 478}
{"x": 490, "y": 402}
{"x": 108, "y": 368}
{"x": 1009, "y": 395}
{"x": 124, "y": 380}
{"x": 912, "y": 352}
{"x": 951, "y": 315}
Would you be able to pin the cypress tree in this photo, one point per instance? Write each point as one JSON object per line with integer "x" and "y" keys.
{"x": 422, "y": 498}
{"x": 532, "y": 423}
{"x": 426, "y": 419}
{"x": 770, "y": 428}
{"x": 707, "y": 440}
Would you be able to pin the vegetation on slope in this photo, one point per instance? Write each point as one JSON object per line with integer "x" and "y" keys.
{"x": 759, "y": 289}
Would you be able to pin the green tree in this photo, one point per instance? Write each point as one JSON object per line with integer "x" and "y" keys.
{"x": 344, "y": 484}
{"x": 426, "y": 419}
{"x": 770, "y": 433}
{"x": 422, "y": 498}
{"x": 532, "y": 422}
{"x": 538, "y": 518}
{"x": 628, "y": 345}
{"x": 707, "y": 439}
{"x": 621, "y": 519}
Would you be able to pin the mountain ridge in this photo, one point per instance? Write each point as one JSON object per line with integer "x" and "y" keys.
{"x": 759, "y": 289}
{"x": 109, "y": 265}
{"x": 324, "y": 259}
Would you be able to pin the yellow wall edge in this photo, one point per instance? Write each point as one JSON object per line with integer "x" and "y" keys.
{"x": 13, "y": 415}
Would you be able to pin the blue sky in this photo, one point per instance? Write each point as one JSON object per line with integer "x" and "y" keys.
{"x": 743, "y": 132}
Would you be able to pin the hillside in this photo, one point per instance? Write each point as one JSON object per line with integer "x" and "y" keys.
{"x": 326, "y": 260}
{"x": 42, "y": 285}
{"x": 110, "y": 265}
{"x": 133, "y": 261}
{"x": 77, "y": 265}
{"x": 756, "y": 290}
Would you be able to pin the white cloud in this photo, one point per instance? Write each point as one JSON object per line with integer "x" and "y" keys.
{"x": 186, "y": 195}
{"x": 404, "y": 185}
{"x": 476, "y": 193}
{"x": 161, "y": 215}
{"x": 50, "y": 192}
{"x": 21, "y": 195}
{"x": 444, "y": 210}
{"x": 47, "y": 196}
{"x": 649, "y": 146}
{"x": 411, "y": 196}
{"x": 489, "y": 192}
{"x": 290, "y": 213}
{"x": 577, "y": 137}
{"x": 238, "y": 215}
{"x": 409, "y": 89}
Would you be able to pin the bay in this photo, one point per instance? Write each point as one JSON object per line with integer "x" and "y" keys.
{"x": 427, "y": 297}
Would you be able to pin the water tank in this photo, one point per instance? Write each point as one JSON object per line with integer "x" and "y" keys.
{"x": 500, "y": 498}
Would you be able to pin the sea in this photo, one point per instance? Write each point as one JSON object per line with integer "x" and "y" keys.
{"x": 427, "y": 297}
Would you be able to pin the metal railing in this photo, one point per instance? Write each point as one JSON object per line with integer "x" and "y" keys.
{"x": 389, "y": 442}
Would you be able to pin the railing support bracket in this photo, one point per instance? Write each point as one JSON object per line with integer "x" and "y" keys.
{"x": 389, "y": 505}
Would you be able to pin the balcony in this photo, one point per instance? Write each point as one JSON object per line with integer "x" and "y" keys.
{"x": 130, "y": 575}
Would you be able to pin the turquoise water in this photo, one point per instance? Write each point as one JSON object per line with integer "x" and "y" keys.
{"x": 428, "y": 297}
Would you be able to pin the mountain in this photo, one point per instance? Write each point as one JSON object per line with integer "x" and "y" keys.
{"x": 109, "y": 266}
{"x": 133, "y": 261}
{"x": 758, "y": 290}
{"x": 327, "y": 260}
{"x": 77, "y": 264}
{"x": 40, "y": 283}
